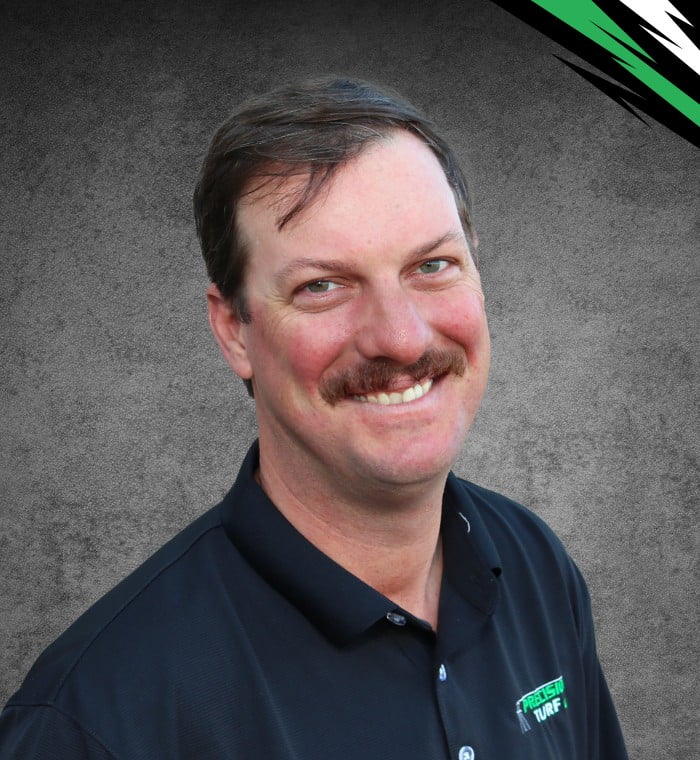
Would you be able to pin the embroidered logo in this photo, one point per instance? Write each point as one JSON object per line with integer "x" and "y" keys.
{"x": 543, "y": 702}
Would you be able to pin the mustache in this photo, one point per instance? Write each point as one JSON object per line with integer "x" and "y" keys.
{"x": 377, "y": 374}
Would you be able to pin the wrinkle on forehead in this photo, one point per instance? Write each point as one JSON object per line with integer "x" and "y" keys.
{"x": 296, "y": 188}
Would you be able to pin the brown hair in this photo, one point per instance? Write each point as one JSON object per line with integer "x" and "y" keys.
{"x": 306, "y": 128}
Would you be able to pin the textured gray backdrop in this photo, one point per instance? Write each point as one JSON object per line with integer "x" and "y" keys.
{"x": 121, "y": 422}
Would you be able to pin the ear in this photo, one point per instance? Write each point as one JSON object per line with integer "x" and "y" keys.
{"x": 229, "y": 332}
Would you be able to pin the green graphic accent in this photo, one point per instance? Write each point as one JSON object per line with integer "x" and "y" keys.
{"x": 588, "y": 19}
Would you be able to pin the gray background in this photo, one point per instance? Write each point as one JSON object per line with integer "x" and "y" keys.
{"x": 121, "y": 422}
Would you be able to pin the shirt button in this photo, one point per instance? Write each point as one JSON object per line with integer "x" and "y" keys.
{"x": 442, "y": 675}
{"x": 395, "y": 618}
{"x": 466, "y": 753}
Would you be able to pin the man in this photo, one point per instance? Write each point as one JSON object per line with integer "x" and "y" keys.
{"x": 349, "y": 597}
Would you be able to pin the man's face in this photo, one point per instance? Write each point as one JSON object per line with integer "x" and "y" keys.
{"x": 369, "y": 296}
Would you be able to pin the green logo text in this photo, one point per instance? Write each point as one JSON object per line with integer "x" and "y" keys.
{"x": 542, "y": 703}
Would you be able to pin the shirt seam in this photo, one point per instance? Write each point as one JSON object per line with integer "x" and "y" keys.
{"x": 129, "y": 601}
{"x": 68, "y": 716}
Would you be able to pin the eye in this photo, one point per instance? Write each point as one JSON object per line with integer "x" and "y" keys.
{"x": 320, "y": 286}
{"x": 433, "y": 266}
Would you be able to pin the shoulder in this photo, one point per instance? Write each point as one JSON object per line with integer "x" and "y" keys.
{"x": 141, "y": 607}
{"x": 530, "y": 554}
{"x": 508, "y": 522}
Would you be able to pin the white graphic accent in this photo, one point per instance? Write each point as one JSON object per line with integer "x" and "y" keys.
{"x": 524, "y": 725}
{"x": 466, "y": 753}
{"x": 658, "y": 14}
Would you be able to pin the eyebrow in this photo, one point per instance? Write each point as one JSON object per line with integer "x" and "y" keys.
{"x": 333, "y": 265}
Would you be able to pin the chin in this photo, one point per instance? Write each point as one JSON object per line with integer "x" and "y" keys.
{"x": 411, "y": 466}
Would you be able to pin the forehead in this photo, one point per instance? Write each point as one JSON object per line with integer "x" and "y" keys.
{"x": 395, "y": 188}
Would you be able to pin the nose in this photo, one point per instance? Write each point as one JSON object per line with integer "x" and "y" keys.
{"x": 392, "y": 327}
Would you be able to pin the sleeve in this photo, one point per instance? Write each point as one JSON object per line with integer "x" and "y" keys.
{"x": 42, "y": 732}
{"x": 605, "y": 738}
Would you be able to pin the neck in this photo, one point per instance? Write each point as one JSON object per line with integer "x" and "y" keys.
{"x": 390, "y": 541}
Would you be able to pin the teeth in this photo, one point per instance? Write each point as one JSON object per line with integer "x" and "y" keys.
{"x": 410, "y": 394}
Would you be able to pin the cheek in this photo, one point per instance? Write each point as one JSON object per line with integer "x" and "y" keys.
{"x": 463, "y": 320}
{"x": 301, "y": 350}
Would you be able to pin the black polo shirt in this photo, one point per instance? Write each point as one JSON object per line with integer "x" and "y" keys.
{"x": 239, "y": 639}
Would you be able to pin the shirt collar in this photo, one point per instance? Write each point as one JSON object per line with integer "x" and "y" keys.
{"x": 337, "y": 602}
{"x": 472, "y": 562}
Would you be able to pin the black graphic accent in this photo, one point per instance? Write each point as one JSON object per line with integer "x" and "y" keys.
{"x": 625, "y": 88}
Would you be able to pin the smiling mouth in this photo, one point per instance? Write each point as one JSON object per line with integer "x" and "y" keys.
{"x": 383, "y": 381}
{"x": 394, "y": 397}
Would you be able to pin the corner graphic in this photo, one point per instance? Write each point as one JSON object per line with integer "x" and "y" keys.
{"x": 543, "y": 702}
{"x": 649, "y": 47}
